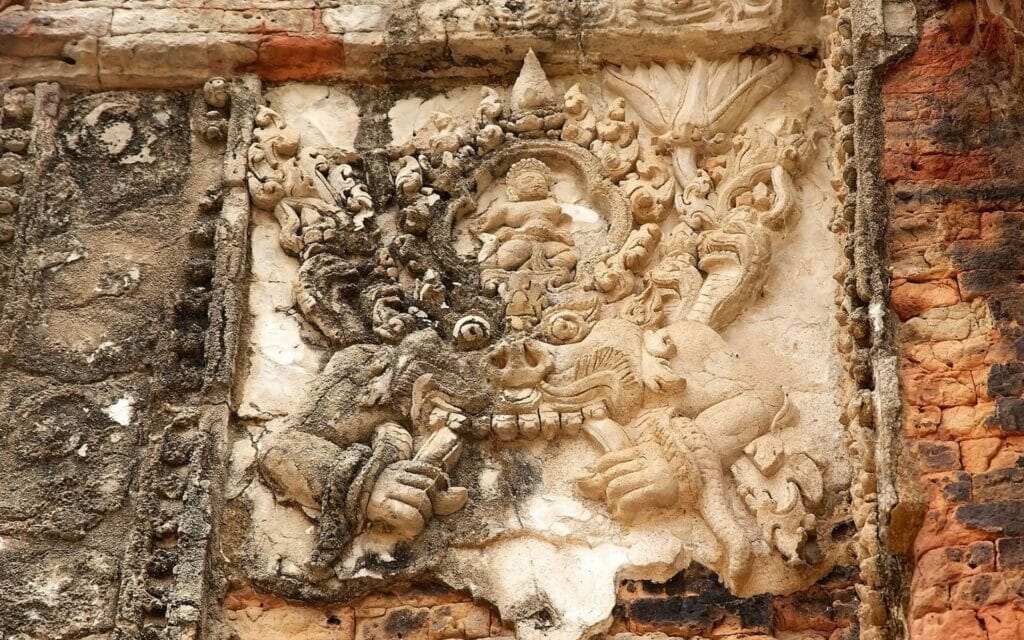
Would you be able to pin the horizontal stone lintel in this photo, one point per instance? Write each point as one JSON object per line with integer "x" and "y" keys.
{"x": 100, "y": 44}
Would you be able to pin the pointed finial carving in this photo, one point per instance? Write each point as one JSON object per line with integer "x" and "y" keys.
{"x": 532, "y": 89}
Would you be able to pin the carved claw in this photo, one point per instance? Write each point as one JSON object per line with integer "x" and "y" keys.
{"x": 591, "y": 486}
{"x": 450, "y": 500}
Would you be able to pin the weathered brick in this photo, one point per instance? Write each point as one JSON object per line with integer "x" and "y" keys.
{"x": 950, "y": 564}
{"x": 937, "y": 456}
{"x": 911, "y": 298}
{"x": 939, "y": 389}
{"x": 962, "y": 625}
{"x": 1004, "y": 517}
{"x": 1010, "y": 553}
{"x": 460, "y": 620}
{"x": 988, "y": 254}
{"x": 947, "y": 488}
{"x": 676, "y": 615}
{"x": 985, "y": 282}
{"x": 922, "y": 264}
{"x": 922, "y": 422}
{"x": 947, "y": 355}
{"x": 940, "y": 528}
{"x": 1006, "y": 379}
{"x": 977, "y": 454}
{"x": 1000, "y": 484}
{"x": 967, "y": 422}
{"x": 1004, "y": 622}
{"x": 925, "y": 600}
{"x": 408, "y": 623}
{"x": 985, "y": 589}
{"x": 1009, "y": 414}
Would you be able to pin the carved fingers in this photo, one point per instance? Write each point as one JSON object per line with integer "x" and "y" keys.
{"x": 410, "y": 492}
{"x": 631, "y": 481}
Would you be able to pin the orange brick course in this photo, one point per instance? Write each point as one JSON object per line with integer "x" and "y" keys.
{"x": 953, "y": 133}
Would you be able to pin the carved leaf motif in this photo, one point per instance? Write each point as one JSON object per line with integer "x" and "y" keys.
{"x": 651, "y": 189}
{"x": 712, "y": 95}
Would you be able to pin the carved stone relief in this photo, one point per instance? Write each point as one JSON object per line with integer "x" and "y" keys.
{"x": 543, "y": 340}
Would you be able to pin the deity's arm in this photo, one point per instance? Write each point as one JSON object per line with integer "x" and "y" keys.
{"x": 491, "y": 219}
{"x": 733, "y": 423}
{"x": 330, "y": 458}
{"x": 726, "y": 397}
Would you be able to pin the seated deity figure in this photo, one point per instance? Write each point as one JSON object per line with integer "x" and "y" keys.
{"x": 529, "y": 231}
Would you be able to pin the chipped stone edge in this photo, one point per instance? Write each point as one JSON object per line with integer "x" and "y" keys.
{"x": 888, "y": 501}
{"x": 40, "y": 153}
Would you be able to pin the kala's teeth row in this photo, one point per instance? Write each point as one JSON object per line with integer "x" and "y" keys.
{"x": 507, "y": 427}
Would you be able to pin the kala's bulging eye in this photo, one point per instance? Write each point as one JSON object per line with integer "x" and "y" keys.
{"x": 471, "y": 332}
{"x": 565, "y": 327}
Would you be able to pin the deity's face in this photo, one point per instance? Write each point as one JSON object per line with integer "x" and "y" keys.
{"x": 529, "y": 185}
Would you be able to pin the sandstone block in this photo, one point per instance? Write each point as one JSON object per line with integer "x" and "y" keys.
{"x": 292, "y": 57}
{"x": 168, "y": 60}
{"x": 26, "y": 33}
{"x": 165, "y": 21}
{"x": 355, "y": 18}
{"x": 269, "y": 21}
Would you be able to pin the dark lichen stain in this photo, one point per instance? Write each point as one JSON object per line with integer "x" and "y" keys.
{"x": 402, "y": 622}
{"x": 125, "y": 150}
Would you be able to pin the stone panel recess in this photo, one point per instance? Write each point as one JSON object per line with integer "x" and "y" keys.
{"x": 478, "y": 319}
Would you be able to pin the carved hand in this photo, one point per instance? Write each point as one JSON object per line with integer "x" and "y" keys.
{"x": 403, "y": 497}
{"x": 632, "y": 480}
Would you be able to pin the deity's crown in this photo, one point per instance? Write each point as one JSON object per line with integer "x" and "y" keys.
{"x": 527, "y": 165}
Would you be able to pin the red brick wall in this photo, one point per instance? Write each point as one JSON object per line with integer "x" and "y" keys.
{"x": 954, "y": 159}
{"x": 691, "y": 605}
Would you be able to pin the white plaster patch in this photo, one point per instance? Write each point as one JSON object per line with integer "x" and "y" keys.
{"x": 324, "y": 116}
{"x": 281, "y": 363}
{"x": 116, "y": 136}
{"x": 409, "y": 115}
{"x": 121, "y": 411}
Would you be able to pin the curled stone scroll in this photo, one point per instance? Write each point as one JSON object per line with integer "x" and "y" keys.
{"x": 534, "y": 383}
